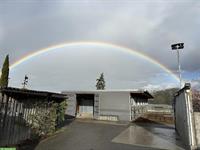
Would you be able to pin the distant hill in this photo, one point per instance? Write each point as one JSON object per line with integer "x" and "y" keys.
{"x": 196, "y": 100}
{"x": 163, "y": 96}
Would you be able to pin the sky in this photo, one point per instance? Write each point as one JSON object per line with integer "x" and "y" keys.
{"x": 148, "y": 27}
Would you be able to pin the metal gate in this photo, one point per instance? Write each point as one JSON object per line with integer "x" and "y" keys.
{"x": 184, "y": 121}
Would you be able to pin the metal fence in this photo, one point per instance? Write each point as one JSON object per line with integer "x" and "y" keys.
{"x": 13, "y": 127}
{"x": 160, "y": 108}
{"x": 15, "y": 120}
{"x": 138, "y": 111}
{"x": 16, "y": 117}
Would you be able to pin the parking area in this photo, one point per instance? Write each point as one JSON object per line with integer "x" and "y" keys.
{"x": 98, "y": 135}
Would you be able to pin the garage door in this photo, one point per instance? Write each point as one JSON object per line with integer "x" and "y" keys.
{"x": 86, "y": 106}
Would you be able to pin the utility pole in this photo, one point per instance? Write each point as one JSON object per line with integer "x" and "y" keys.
{"x": 177, "y": 47}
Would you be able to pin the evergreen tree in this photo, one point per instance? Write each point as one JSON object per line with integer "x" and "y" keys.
{"x": 101, "y": 82}
{"x": 5, "y": 73}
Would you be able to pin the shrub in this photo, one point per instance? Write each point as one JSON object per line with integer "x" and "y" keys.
{"x": 43, "y": 121}
{"x": 46, "y": 117}
{"x": 61, "y": 108}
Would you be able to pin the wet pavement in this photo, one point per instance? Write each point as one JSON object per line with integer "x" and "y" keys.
{"x": 97, "y": 135}
{"x": 161, "y": 137}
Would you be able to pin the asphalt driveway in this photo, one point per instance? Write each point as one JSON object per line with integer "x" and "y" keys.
{"x": 91, "y": 135}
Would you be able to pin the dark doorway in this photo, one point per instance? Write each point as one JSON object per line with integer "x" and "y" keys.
{"x": 85, "y": 105}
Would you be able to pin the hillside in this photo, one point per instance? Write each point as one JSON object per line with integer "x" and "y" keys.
{"x": 163, "y": 96}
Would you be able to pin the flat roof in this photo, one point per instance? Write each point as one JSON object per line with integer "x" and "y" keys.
{"x": 106, "y": 90}
{"x": 133, "y": 92}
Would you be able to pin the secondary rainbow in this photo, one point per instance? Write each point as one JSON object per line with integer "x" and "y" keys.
{"x": 114, "y": 46}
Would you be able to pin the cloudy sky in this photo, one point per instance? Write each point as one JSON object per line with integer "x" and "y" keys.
{"x": 148, "y": 27}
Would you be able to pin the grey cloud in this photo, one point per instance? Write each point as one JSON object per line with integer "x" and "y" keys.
{"x": 179, "y": 25}
{"x": 147, "y": 27}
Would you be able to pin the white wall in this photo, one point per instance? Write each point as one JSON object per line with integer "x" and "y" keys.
{"x": 71, "y": 104}
{"x": 115, "y": 103}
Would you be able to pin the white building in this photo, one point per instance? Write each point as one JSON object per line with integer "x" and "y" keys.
{"x": 115, "y": 105}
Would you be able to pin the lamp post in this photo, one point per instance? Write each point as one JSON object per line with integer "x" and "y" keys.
{"x": 177, "y": 47}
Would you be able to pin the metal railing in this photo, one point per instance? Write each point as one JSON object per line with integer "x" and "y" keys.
{"x": 160, "y": 108}
{"x": 138, "y": 111}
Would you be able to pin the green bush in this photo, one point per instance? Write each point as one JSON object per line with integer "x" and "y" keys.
{"x": 47, "y": 117}
{"x": 44, "y": 119}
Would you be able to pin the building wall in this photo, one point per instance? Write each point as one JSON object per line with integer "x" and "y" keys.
{"x": 115, "y": 104}
{"x": 112, "y": 105}
{"x": 71, "y": 104}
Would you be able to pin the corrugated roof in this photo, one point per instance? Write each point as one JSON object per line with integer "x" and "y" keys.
{"x": 144, "y": 94}
{"x": 21, "y": 92}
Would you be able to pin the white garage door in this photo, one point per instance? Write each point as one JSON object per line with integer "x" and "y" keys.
{"x": 86, "y": 106}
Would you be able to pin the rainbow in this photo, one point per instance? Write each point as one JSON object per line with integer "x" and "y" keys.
{"x": 124, "y": 49}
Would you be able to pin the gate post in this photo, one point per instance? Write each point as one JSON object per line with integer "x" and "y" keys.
{"x": 183, "y": 112}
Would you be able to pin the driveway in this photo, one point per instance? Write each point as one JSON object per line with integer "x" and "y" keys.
{"x": 97, "y": 135}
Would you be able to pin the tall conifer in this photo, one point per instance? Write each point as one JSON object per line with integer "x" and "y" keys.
{"x": 100, "y": 85}
{"x": 5, "y": 73}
